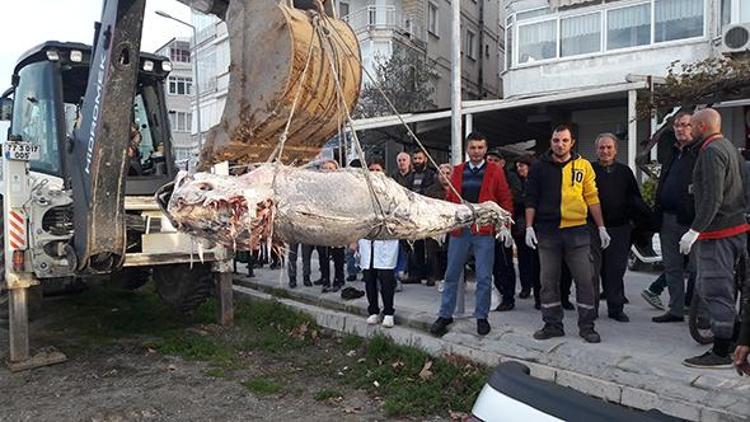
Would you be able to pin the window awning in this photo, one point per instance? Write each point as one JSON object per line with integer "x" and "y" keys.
{"x": 565, "y": 3}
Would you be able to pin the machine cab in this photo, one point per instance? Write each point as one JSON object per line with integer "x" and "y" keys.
{"x": 49, "y": 84}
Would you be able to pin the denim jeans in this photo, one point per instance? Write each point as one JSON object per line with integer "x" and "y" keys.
{"x": 458, "y": 253}
{"x": 351, "y": 263}
{"x": 403, "y": 258}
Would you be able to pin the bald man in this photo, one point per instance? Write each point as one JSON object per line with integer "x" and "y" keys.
{"x": 718, "y": 231}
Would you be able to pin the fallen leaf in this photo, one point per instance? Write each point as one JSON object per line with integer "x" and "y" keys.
{"x": 425, "y": 373}
{"x": 397, "y": 365}
{"x": 351, "y": 353}
{"x": 299, "y": 331}
{"x": 150, "y": 350}
{"x": 458, "y": 416}
{"x": 171, "y": 367}
{"x": 376, "y": 384}
{"x": 361, "y": 360}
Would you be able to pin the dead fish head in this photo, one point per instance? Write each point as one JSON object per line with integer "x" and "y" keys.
{"x": 222, "y": 208}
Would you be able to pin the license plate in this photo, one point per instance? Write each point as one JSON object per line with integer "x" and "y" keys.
{"x": 21, "y": 151}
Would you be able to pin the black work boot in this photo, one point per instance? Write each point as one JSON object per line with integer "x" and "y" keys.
{"x": 549, "y": 331}
{"x": 440, "y": 326}
{"x": 590, "y": 335}
{"x": 483, "y": 327}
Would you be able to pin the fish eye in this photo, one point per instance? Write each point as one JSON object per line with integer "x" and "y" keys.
{"x": 204, "y": 186}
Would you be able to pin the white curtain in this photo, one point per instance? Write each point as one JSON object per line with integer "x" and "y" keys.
{"x": 629, "y": 17}
{"x": 537, "y": 33}
{"x": 580, "y": 34}
{"x": 581, "y": 25}
{"x": 537, "y": 41}
{"x": 672, "y": 10}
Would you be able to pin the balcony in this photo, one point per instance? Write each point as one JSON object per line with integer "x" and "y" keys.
{"x": 383, "y": 18}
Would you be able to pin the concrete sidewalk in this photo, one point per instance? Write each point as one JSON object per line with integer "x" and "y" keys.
{"x": 638, "y": 364}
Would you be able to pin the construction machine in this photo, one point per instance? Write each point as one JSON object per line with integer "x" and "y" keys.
{"x": 78, "y": 193}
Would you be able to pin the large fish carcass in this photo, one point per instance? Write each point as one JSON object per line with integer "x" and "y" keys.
{"x": 284, "y": 55}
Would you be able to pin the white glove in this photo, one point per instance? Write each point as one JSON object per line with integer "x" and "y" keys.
{"x": 604, "y": 238}
{"x": 506, "y": 237}
{"x": 531, "y": 238}
{"x": 687, "y": 241}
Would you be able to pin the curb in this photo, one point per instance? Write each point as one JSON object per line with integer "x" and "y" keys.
{"x": 411, "y": 331}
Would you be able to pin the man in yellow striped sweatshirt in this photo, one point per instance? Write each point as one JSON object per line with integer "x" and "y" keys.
{"x": 561, "y": 191}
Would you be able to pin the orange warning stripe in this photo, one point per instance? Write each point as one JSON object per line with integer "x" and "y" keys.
{"x": 17, "y": 230}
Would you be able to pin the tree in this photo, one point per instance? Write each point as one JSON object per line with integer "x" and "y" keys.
{"x": 407, "y": 78}
{"x": 688, "y": 85}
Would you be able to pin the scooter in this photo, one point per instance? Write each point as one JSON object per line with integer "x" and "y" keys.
{"x": 645, "y": 253}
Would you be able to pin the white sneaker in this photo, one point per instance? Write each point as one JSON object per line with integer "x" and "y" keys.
{"x": 388, "y": 321}
{"x": 441, "y": 286}
{"x": 373, "y": 319}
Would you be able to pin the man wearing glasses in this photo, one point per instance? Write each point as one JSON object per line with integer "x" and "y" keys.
{"x": 674, "y": 206}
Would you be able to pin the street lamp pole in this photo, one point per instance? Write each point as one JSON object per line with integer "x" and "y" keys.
{"x": 194, "y": 58}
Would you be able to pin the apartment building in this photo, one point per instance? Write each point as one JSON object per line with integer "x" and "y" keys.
{"x": 425, "y": 26}
{"x": 178, "y": 89}
{"x": 560, "y": 46}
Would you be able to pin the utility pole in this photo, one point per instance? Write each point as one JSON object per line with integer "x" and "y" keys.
{"x": 456, "y": 138}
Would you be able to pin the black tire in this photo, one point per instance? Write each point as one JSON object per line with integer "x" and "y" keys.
{"x": 130, "y": 278}
{"x": 183, "y": 287}
{"x": 699, "y": 322}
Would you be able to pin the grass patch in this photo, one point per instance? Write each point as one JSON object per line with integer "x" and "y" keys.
{"x": 413, "y": 383}
{"x": 410, "y": 382}
{"x": 217, "y": 373}
{"x": 350, "y": 341}
{"x": 326, "y": 394}
{"x": 262, "y": 386}
{"x": 195, "y": 347}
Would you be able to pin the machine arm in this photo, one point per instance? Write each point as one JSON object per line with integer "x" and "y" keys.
{"x": 96, "y": 157}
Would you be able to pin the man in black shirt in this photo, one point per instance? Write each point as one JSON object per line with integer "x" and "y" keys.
{"x": 419, "y": 180}
{"x": 674, "y": 206}
{"x": 617, "y": 191}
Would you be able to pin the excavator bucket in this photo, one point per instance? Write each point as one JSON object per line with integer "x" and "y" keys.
{"x": 275, "y": 46}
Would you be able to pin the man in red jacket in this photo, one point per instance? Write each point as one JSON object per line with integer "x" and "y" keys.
{"x": 475, "y": 181}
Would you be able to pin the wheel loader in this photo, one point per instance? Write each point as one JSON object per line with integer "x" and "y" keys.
{"x": 89, "y": 146}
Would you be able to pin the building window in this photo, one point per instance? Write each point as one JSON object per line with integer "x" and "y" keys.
{"x": 629, "y": 26}
{"x": 207, "y": 69}
{"x": 537, "y": 41}
{"x": 677, "y": 19}
{"x": 180, "y": 121}
{"x": 726, "y": 12}
{"x": 470, "y": 44}
{"x": 580, "y": 35}
{"x": 509, "y": 43}
{"x": 432, "y": 19}
{"x": 179, "y": 55}
{"x": 343, "y": 9}
{"x": 179, "y": 85}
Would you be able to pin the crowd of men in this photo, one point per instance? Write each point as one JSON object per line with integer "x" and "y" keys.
{"x": 574, "y": 221}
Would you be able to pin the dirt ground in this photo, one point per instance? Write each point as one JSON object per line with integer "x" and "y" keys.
{"x": 129, "y": 373}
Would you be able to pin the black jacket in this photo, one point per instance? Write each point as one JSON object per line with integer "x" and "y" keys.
{"x": 618, "y": 193}
{"x": 400, "y": 178}
{"x": 686, "y": 210}
{"x": 429, "y": 177}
